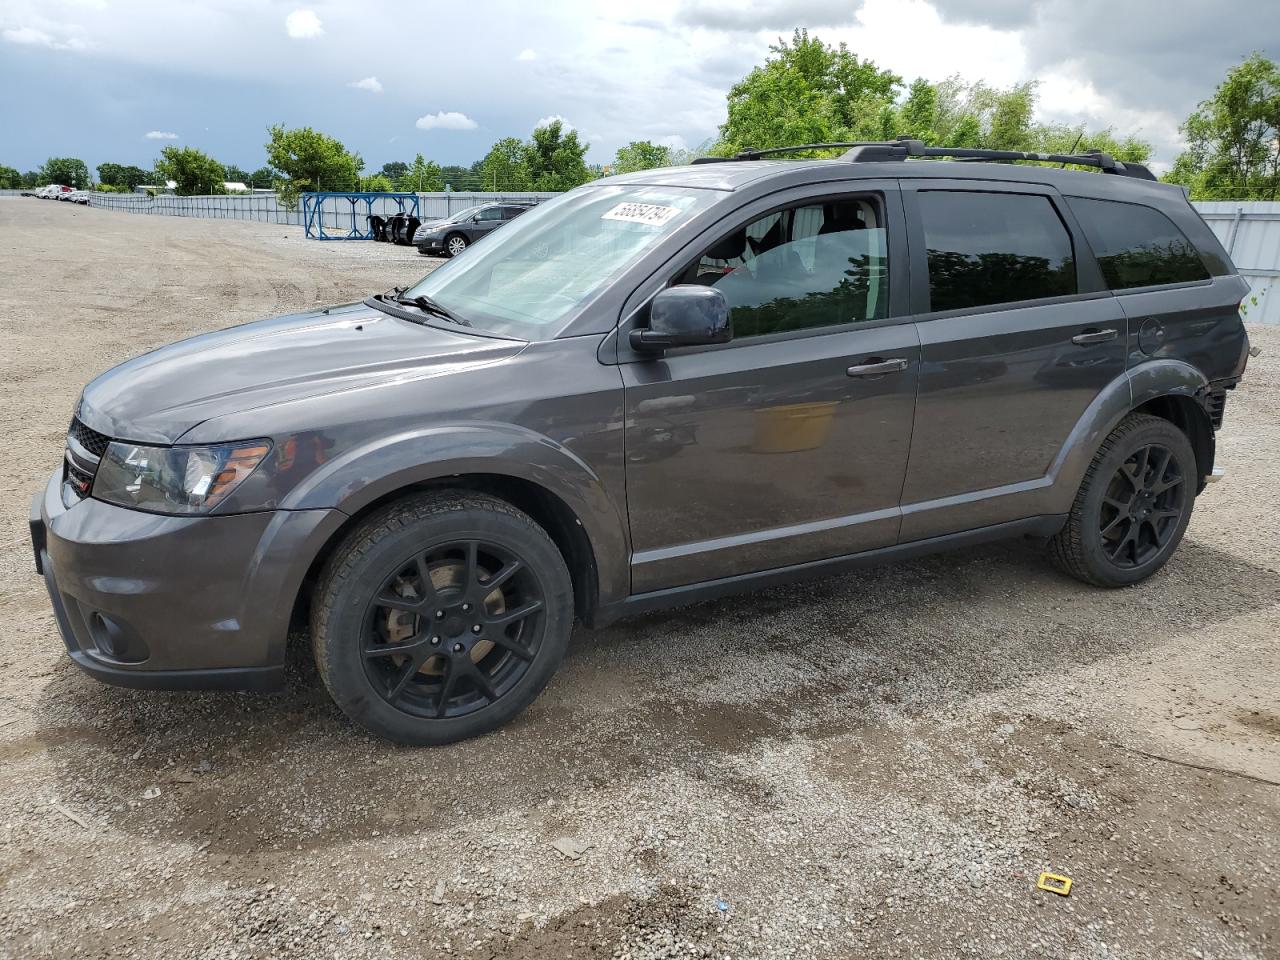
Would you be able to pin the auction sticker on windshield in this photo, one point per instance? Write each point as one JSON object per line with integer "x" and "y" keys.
{"x": 653, "y": 214}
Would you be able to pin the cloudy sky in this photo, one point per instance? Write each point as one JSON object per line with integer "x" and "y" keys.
{"x": 120, "y": 79}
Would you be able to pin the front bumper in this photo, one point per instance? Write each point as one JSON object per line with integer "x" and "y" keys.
{"x": 175, "y": 603}
{"x": 431, "y": 245}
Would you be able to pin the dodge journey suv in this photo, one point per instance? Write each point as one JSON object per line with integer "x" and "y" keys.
{"x": 655, "y": 388}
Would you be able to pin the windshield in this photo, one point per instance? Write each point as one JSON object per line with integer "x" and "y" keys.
{"x": 526, "y": 278}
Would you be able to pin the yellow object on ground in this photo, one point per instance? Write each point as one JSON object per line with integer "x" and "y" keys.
{"x": 1054, "y": 883}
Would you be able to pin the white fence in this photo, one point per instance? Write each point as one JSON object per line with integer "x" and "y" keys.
{"x": 1250, "y": 230}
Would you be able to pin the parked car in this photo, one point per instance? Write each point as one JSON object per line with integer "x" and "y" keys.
{"x": 449, "y": 237}
{"x": 653, "y": 389}
{"x": 77, "y": 196}
{"x": 53, "y": 191}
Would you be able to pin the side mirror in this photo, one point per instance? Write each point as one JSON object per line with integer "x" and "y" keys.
{"x": 685, "y": 315}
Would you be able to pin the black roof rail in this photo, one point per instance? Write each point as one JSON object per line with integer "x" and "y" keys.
{"x": 875, "y": 151}
{"x": 905, "y": 147}
{"x": 772, "y": 151}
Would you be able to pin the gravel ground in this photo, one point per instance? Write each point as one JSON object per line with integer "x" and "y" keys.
{"x": 878, "y": 765}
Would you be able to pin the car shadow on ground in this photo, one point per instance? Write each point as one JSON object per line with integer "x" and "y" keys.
{"x": 679, "y": 692}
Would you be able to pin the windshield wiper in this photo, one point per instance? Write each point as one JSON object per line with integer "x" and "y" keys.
{"x": 427, "y": 305}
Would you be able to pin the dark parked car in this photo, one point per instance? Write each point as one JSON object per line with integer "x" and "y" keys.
{"x": 655, "y": 388}
{"x": 449, "y": 237}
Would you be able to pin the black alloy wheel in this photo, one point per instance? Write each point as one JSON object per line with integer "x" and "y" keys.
{"x": 1132, "y": 507}
{"x": 1142, "y": 506}
{"x": 441, "y": 616}
{"x": 453, "y": 629}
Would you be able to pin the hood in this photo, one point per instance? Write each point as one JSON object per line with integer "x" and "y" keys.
{"x": 159, "y": 396}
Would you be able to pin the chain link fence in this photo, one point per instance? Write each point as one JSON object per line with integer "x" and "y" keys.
{"x": 267, "y": 208}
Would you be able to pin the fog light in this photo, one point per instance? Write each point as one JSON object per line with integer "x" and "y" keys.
{"x": 107, "y": 636}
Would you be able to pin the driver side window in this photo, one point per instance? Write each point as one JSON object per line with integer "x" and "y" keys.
{"x": 816, "y": 264}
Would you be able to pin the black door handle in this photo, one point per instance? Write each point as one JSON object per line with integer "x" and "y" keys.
{"x": 1093, "y": 335}
{"x": 875, "y": 367}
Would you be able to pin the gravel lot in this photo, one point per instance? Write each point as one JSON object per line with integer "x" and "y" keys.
{"x": 878, "y": 765}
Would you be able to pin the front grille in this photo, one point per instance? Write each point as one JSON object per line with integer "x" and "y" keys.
{"x": 1216, "y": 405}
{"x": 91, "y": 440}
{"x": 81, "y": 459}
{"x": 80, "y": 480}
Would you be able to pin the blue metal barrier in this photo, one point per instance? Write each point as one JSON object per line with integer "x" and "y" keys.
{"x": 336, "y": 207}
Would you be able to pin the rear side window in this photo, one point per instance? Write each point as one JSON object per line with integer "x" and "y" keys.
{"x": 993, "y": 248}
{"x": 1137, "y": 246}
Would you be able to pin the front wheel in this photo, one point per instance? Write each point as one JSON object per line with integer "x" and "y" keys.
{"x": 441, "y": 617}
{"x": 1133, "y": 506}
{"x": 455, "y": 244}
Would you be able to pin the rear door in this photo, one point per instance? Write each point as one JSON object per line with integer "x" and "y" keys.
{"x": 788, "y": 444}
{"x": 1017, "y": 337}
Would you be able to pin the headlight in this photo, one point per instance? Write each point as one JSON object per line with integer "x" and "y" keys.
{"x": 175, "y": 479}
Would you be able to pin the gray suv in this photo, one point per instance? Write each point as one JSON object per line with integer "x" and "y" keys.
{"x": 653, "y": 389}
{"x": 449, "y": 237}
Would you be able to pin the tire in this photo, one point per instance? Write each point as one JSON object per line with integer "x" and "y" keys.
{"x": 454, "y": 244}
{"x": 425, "y": 667}
{"x": 1133, "y": 506}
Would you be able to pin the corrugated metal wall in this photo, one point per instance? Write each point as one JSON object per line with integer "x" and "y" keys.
{"x": 1250, "y": 230}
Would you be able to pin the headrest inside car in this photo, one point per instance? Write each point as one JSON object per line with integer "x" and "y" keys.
{"x": 731, "y": 247}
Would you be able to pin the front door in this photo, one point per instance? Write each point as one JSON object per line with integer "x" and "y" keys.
{"x": 1017, "y": 338}
{"x": 788, "y": 444}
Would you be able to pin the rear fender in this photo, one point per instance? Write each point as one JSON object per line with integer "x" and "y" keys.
{"x": 1137, "y": 386}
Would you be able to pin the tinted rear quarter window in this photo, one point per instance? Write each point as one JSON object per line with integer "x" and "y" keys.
{"x": 992, "y": 248}
{"x": 1136, "y": 245}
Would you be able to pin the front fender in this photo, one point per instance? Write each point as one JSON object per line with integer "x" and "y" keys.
{"x": 1136, "y": 386}
{"x": 366, "y": 473}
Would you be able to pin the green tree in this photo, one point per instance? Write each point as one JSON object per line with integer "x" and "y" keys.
{"x": 1233, "y": 138}
{"x": 30, "y": 179}
{"x": 68, "y": 171}
{"x": 503, "y": 167}
{"x": 807, "y": 92}
{"x": 10, "y": 179}
{"x": 641, "y": 155}
{"x": 123, "y": 175}
{"x": 376, "y": 183}
{"x": 554, "y": 158}
{"x": 422, "y": 176}
{"x": 311, "y": 160}
{"x": 394, "y": 170}
{"x": 192, "y": 171}
{"x": 262, "y": 178}
{"x": 238, "y": 174}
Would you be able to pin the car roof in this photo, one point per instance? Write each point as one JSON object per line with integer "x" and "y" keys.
{"x": 734, "y": 175}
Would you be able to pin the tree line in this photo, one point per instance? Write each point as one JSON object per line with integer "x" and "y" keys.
{"x": 806, "y": 91}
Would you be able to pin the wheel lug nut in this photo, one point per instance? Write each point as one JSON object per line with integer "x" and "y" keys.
{"x": 458, "y": 648}
{"x": 435, "y": 641}
{"x": 466, "y": 608}
{"x": 439, "y": 614}
{"x": 476, "y": 628}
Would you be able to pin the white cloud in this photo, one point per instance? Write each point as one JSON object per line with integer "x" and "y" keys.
{"x": 160, "y": 135}
{"x": 31, "y": 37}
{"x": 564, "y": 122}
{"x": 303, "y": 25}
{"x": 372, "y": 84}
{"x": 450, "y": 120}
{"x": 528, "y": 53}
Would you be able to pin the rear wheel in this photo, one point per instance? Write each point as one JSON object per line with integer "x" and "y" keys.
{"x": 441, "y": 617}
{"x": 1133, "y": 506}
{"x": 454, "y": 244}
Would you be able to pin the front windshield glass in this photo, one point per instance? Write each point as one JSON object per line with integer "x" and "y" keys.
{"x": 527, "y": 277}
